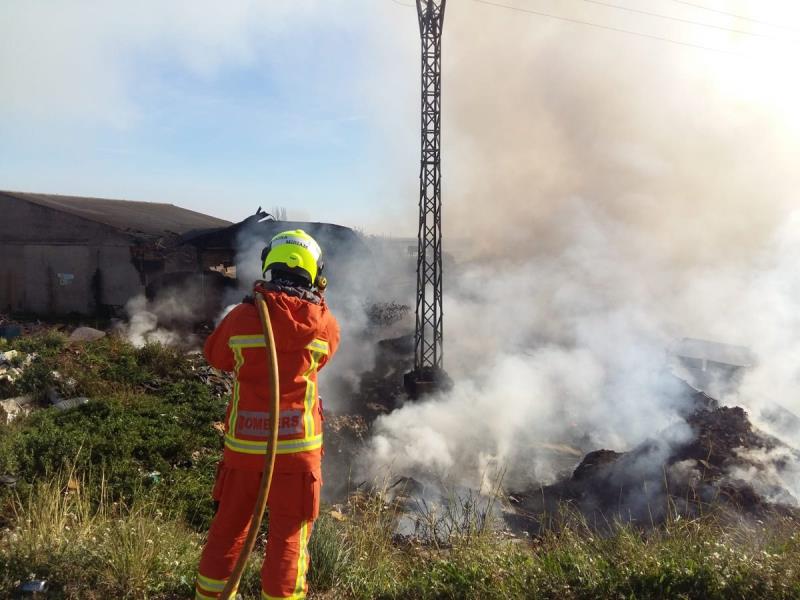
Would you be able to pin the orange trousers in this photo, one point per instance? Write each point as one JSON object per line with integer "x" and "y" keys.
{"x": 293, "y": 506}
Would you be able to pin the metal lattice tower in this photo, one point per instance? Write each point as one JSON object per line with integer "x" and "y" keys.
{"x": 429, "y": 331}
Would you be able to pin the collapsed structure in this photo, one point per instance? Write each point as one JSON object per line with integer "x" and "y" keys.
{"x": 236, "y": 246}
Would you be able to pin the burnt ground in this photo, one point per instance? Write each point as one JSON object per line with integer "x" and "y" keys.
{"x": 687, "y": 469}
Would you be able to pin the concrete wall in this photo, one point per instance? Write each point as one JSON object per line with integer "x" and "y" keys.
{"x": 48, "y": 261}
{"x": 120, "y": 279}
{"x": 12, "y": 277}
{"x": 57, "y": 278}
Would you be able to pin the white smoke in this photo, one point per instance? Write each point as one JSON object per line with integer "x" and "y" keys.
{"x": 774, "y": 474}
{"x": 142, "y": 327}
{"x": 555, "y": 352}
{"x": 603, "y": 201}
{"x": 164, "y": 320}
{"x": 572, "y": 349}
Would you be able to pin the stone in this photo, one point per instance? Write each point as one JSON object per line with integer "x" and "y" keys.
{"x": 86, "y": 334}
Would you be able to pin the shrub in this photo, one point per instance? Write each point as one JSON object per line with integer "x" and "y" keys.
{"x": 46, "y": 343}
{"x": 36, "y": 379}
{"x": 124, "y": 439}
{"x": 163, "y": 361}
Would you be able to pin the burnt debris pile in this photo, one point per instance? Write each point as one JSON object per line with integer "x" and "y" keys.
{"x": 713, "y": 456}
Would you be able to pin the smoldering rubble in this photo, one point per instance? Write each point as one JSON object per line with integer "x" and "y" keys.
{"x": 712, "y": 458}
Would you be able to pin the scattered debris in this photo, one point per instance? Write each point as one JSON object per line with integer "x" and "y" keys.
{"x": 386, "y": 314}
{"x": 9, "y": 356}
{"x": 32, "y": 589}
{"x": 336, "y": 514}
{"x": 220, "y": 382}
{"x": 10, "y": 332}
{"x": 13, "y": 364}
{"x": 8, "y": 480}
{"x": 352, "y": 424}
{"x": 13, "y": 408}
{"x": 70, "y": 403}
{"x": 344, "y": 437}
{"x": 65, "y": 384}
{"x": 381, "y": 389}
{"x": 86, "y": 334}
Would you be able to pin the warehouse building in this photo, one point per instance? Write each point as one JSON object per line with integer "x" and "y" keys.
{"x": 66, "y": 254}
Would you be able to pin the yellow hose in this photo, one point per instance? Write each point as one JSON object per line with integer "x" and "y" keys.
{"x": 269, "y": 457}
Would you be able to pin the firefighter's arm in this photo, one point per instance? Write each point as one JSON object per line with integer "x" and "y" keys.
{"x": 332, "y": 337}
{"x": 216, "y": 350}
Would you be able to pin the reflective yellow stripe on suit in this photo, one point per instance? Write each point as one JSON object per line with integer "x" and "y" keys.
{"x": 311, "y": 439}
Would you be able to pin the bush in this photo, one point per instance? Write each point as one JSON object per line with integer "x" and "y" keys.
{"x": 36, "y": 379}
{"x": 105, "y": 367}
{"x": 125, "y": 440}
{"x": 46, "y": 343}
{"x": 147, "y": 430}
{"x": 163, "y": 361}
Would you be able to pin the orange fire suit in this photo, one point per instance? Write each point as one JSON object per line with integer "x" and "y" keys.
{"x": 306, "y": 336}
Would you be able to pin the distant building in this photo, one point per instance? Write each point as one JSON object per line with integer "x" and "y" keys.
{"x": 66, "y": 254}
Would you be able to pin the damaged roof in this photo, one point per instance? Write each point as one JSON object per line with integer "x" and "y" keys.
{"x": 127, "y": 215}
{"x": 257, "y": 226}
{"x": 347, "y": 256}
{"x": 333, "y": 238}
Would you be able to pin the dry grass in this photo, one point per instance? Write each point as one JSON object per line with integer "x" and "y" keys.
{"x": 90, "y": 550}
{"x": 108, "y": 550}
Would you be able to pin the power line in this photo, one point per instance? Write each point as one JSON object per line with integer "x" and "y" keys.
{"x": 734, "y": 15}
{"x": 607, "y": 27}
{"x": 678, "y": 19}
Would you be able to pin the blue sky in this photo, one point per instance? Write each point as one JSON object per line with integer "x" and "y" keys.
{"x": 314, "y": 105}
{"x": 219, "y": 109}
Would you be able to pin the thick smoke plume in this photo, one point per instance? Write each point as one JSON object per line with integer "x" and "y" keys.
{"x": 603, "y": 196}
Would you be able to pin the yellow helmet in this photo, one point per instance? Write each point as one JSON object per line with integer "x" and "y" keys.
{"x": 295, "y": 252}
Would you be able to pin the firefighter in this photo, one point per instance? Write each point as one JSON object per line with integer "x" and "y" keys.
{"x": 306, "y": 336}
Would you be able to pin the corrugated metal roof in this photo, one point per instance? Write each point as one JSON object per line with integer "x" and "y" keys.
{"x": 152, "y": 218}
